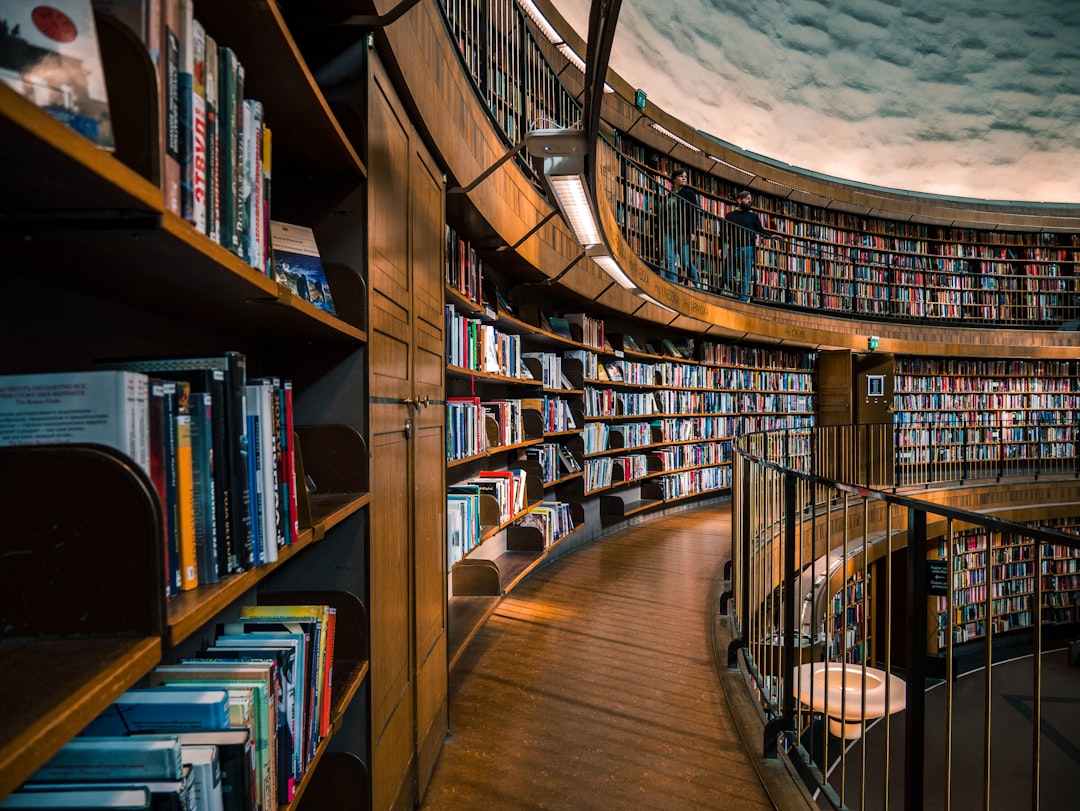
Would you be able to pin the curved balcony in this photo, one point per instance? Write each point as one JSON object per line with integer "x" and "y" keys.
{"x": 830, "y": 281}
{"x": 883, "y": 629}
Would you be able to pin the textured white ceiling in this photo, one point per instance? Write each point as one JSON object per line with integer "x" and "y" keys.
{"x": 969, "y": 98}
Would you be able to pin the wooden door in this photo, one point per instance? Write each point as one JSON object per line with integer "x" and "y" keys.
{"x": 427, "y": 208}
{"x": 407, "y": 602}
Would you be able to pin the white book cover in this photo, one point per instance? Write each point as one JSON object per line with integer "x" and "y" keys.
{"x": 102, "y": 407}
{"x": 206, "y": 771}
{"x": 49, "y": 54}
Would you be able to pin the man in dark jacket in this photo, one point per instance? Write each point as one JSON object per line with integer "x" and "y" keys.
{"x": 683, "y": 214}
{"x": 744, "y": 238}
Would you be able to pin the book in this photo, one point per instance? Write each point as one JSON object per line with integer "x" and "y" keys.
{"x": 226, "y": 675}
{"x": 213, "y": 145}
{"x": 133, "y": 758}
{"x": 230, "y": 91}
{"x": 165, "y": 795}
{"x": 206, "y": 776}
{"x": 251, "y": 179}
{"x": 295, "y": 618}
{"x": 169, "y": 77}
{"x": 170, "y": 506}
{"x": 130, "y": 798}
{"x": 202, "y": 485}
{"x": 195, "y": 176}
{"x": 298, "y": 265}
{"x": 263, "y": 459}
{"x": 289, "y": 495}
{"x": 50, "y": 55}
{"x": 236, "y": 758}
{"x": 560, "y": 326}
{"x": 104, "y": 407}
{"x": 224, "y": 375}
{"x": 285, "y": 653}
{"x": 185, "y": 105}
{"x": 185, "y": 495}
{"x": 148, "y": 709}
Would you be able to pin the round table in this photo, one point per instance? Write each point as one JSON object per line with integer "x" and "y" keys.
{"x": 848, "y": 693}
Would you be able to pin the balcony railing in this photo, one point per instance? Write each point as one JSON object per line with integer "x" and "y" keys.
{"x": 889, "y": 638}
{"x": 698, "y": 247}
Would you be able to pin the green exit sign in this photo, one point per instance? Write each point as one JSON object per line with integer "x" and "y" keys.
{"x": 639, "y": 99}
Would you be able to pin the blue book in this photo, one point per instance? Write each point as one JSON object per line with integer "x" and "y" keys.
{"x": 202, "y": 471}
{"x": 131, "y": 798}
{"x": 159, "y": 709}
{"x": 146, "y": 757}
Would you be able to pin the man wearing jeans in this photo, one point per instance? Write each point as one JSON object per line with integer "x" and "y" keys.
{"x": 745, "y": 238}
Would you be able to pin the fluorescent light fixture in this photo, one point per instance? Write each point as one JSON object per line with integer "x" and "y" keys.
{"x": 546, "y": 28}
{"x": 669, "y": 134}
{"x": 723, "y": 162}
{"x": 612, "y": 269}
{"x": 651, "y": 300}
{"x": 576, "y": 207}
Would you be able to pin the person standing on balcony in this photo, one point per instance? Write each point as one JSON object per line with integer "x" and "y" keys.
{"x": 683, "y": 211}
{"x": 745, "y": 239}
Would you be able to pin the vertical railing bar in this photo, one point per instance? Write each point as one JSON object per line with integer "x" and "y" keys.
{"x": 988, "y": 609}
{"x": 1036, "y": 720}
{"x": 844, "y": 550}
{"x": 867, "y": 657}
{"x": 950, "y": 636}
{"x": 915, "y": 718}
{"x": 888, "y": 649}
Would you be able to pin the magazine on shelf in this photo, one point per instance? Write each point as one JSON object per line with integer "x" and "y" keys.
{"x": 49, "y": 54}
{"x": 298, "y": 265}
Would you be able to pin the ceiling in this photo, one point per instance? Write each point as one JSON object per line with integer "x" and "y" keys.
{"x": 965, "y": 98}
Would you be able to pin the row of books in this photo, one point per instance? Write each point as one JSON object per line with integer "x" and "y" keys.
{"x": 215, "y": 147}
{"x": 552, "y": 519}
{"x": 464, "y": 270}
{"x": 556, "y": 461}
{"x": 233, "y": 729}
{"x": 693, "y": 482}
{"x": 217, "y": 446}
{"x": 480, "y": 347}
{"x": 216, "y": 143}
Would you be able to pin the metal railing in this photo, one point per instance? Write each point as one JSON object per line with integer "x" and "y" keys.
{"x": 698, "y": 247}
{"x": 885, "y": 636}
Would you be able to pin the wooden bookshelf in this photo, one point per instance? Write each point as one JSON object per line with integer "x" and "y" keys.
{"x": 115, "y": 274}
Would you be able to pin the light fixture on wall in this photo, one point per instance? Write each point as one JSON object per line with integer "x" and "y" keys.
{"x": 564, "y": 151}
{"x": 612, "y": 269}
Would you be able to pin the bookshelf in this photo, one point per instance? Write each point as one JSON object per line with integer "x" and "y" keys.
{"x": 994, "y": 586}
{"x": 112, "y": 272}
{"x": 863, "y": 266}
{"x": 960, "y": 418}
{"x": 642, "y": 422}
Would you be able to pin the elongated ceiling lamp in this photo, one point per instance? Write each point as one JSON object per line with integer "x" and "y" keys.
{"x": 564, "y": 152}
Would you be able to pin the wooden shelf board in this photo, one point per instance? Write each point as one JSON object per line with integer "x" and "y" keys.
{"x": 276, "y": 74}
{"x": 333, "y": 508}
{"x": 516, "y": 566}
{"x": 183, "y": 265}
{"x": 465, "y": 616}
{"x": 56, "y": 167}
{"x": 347, "y": 678}
{"x": 50, "y": 690}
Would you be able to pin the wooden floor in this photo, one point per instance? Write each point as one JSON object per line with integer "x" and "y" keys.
{"x": 593, "y": 686}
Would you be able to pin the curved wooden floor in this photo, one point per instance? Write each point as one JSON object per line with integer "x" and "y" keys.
{"x": 593, "y": 686}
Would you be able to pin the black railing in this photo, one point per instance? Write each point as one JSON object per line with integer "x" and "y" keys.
{"x": 698, "y": 247}
{"x": 887, "y": 637}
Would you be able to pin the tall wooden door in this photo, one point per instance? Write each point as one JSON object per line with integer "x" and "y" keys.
{"x": 407, "y": 545}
